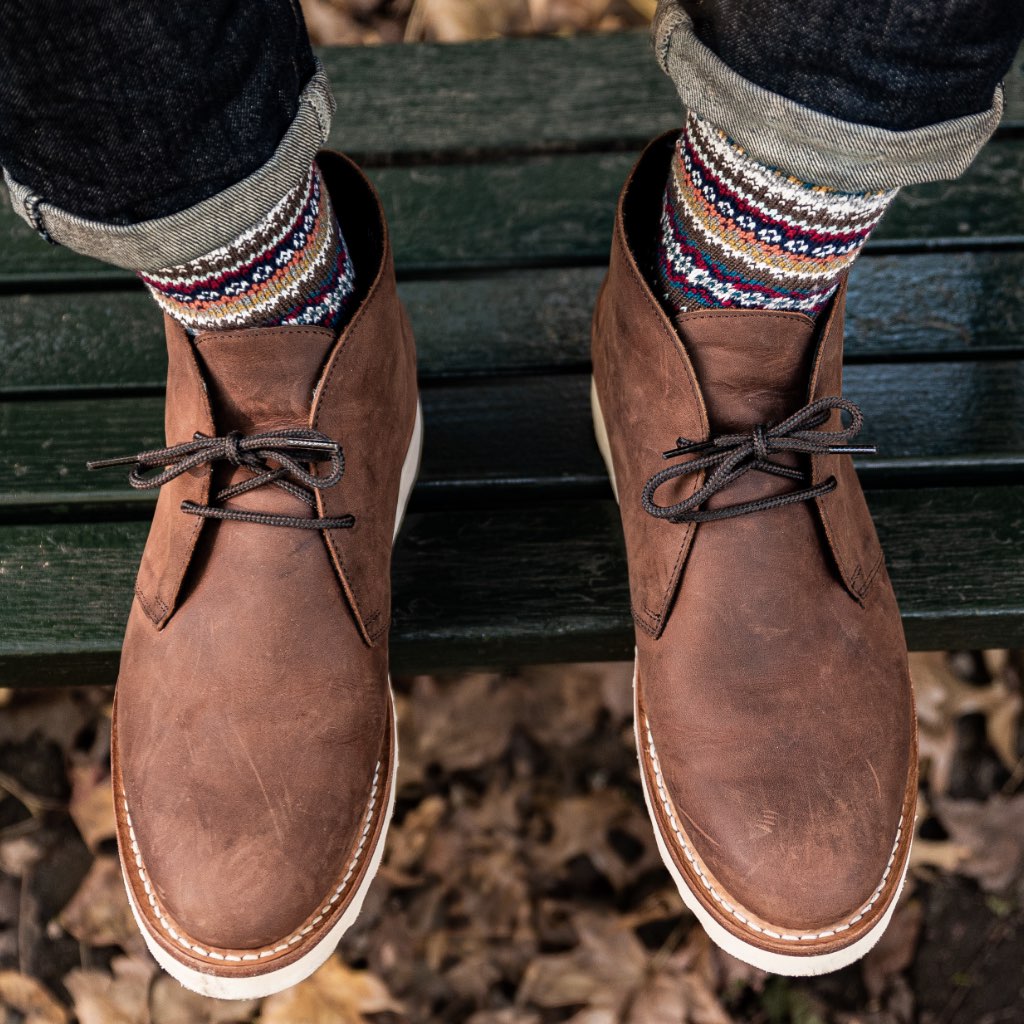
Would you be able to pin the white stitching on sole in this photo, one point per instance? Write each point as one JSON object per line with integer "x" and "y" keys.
{"x": 691, "y": 858}
{"x": 281, "y": 947}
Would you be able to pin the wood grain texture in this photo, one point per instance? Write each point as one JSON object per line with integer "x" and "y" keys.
{"x": 1013, "y": 85}
{"x": 553, "y": 589}
{"x": 524, "y": 321}
{"x": 518, "y": 439}
{"x": 557, "y": 210}
{"x": 498, "y": 96}
{"x": 512, "y": 94}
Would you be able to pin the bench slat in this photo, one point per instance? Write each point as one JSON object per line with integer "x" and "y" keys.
{"x": 939, "y": 422}
{"x": 546, "y": 210}
{"x": 429, "y": 99}
{"x": 553, "y": 589}
{"x": 524, "y": 321}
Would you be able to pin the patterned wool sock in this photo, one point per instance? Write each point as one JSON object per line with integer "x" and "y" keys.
{"x": 737, "y": 233}
{"x": 291, "y": 267}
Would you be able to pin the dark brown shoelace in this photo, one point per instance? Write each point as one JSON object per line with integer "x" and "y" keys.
{"x": 730, "y": 456}
{"x": 287, "y": 448}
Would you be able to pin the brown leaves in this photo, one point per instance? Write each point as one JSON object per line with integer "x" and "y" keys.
{"x": 334, "y": 995}
{"x": 99, "y": 914}
{"x": 943, "y": 697}
{"x": 118, "y": 998}
{"x": 92, "y": 802}
{"x": 169, "y": 1003}
{"x": 895, "y": 951}
{"x": 992, "y": 833}
{"x": 585, "y": 826}
{"x": 618, "y": 981}
{"x": 334, "y": 22}
{"x": 521, "y": 884}
{"x": 26, "y": 996}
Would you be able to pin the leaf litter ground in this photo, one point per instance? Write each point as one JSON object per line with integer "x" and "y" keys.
{"x": 521, "y": 884}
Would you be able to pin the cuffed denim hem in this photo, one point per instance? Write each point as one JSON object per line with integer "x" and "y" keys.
{"x": 179, "y": 237}
{"x": 806, "y": 143}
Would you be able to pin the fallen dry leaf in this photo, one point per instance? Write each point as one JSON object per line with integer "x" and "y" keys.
{"x": 410, "y": 840}
{"x": 943, "y": 697}
{"x": 118, "y": 998}
{"x": 457, "y": 21}
{"x": 18, "y": 854}
{"x": 170, "y": 1003}
{"x": 510, "y": 1015}
{"x": 92, "y": 802}
{"x": 618, "y": 981}
{"x": 896, "y": 949}
{"x": 99, "y": 914}
{"x": 583, "y": 826}
{"x": 937, "y": 853}
{"x": 57, "y": 715}
{"x": 560, "y": 704}
{"x": 458, "y": 727}
{"x": 600, "y": 972}
{"x": 333, "y": 995}
{"x": 27, "y": 996}
{"x": 567, "y": 15}
{"x": 993, "y": 834}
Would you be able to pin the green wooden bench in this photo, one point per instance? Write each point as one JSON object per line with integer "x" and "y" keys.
{"x": 499, "y": 164}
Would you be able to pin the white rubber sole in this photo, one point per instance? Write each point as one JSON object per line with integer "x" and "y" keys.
{"x": 267, "y": 984}
{"x": 601, "y": 433}
{"x": 765, "y": 960}
{"x": 410, "y": 470}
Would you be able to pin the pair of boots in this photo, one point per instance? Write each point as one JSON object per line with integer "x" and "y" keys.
{"x": 254, "y": 744}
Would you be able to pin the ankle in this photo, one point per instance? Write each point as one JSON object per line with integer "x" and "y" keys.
{"x": 291, "y": 267}
{"x": 736, "y": 233}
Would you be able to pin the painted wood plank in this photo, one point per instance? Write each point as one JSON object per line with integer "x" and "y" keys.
{"x": 523, "y": 321}
{"x": 558, "y": 210}
{"x": 515, "y": 94}
{"x": 518, "y": 439}
{"x": 1013, "y": 89}
{"x": 553, "y": 590}
{"x": 498, "y": 96}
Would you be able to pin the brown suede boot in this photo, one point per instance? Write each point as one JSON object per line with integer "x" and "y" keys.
{"x": 254, "y": 734}
{"x": 774, "y": 714}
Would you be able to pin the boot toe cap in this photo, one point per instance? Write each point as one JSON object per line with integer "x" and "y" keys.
{"x": 767, "y": 846}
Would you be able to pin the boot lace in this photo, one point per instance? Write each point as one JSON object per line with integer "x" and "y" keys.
{"x": 288, "y": 449}
{"x": 730, "y": 456}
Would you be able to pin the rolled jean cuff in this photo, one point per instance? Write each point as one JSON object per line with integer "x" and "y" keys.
{"x": 806, "y": 143}
{"x": 179, "y": 237}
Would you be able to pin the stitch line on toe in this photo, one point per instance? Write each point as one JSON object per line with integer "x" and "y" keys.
{"x": 285, "y": 944}
{"x": 723, "y": 903}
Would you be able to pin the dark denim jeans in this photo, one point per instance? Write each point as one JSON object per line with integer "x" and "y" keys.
{"x": 858, "y": 97}
{"x": 122, "y": 111}
{"x": 896, "y": 65}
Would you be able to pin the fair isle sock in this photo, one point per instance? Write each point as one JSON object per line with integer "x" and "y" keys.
{"x": 735, "y": 233}
{"x": 291, "y": 267}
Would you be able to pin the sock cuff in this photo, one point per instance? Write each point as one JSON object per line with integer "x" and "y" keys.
{"x": 290, "y": 267}
{"x": 736, "y": 232}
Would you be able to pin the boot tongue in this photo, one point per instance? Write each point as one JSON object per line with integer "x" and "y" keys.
{"x": 262, "y": 378}
{"x": 753, "y": 366}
